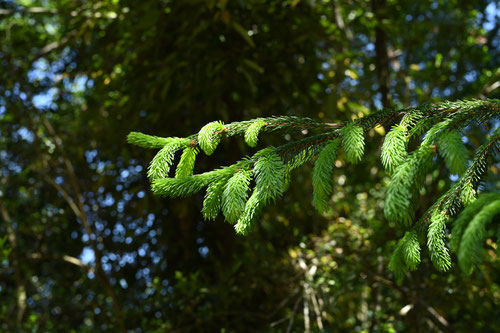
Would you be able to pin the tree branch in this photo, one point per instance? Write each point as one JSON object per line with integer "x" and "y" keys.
{"x": 30, "y": 10}
{"x": 66, "y": 258}
{"x": 21, "y": 286}
{"x": 79, "y": 210}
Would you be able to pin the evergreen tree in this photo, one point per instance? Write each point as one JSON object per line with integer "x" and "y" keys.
{"x": 435, "y": 130}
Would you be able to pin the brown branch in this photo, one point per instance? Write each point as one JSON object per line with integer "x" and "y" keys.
{"x": 437, "y": 318}
{"x": 65, "y": 258}
{"x": 31, "y": 10}
{"x": 340, "y": 22}
{"x": 294, "y": 312}
{"x": 65, "y": 196}
{"x": 55, "y": 45}
{"x": 78, "y": 209}
{"x": 21, "y": 286}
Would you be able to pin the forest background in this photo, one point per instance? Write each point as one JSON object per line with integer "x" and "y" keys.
{"x": 87, "y": 247}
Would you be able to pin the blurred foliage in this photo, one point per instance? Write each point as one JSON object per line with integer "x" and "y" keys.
{"x": 90, "y": 249}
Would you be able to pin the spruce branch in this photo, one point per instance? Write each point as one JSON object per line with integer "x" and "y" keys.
{"x": 353, "y": 142}
{"x": 452, "y": 200}
{"x": 467, "y": 215}
{"x": 467, "y": 194}
{"x": 322, "y": 175}
{"x": 406, "y": 256}
{"x": 442, "y": 123}
{"x": 269, "y": 171}
{"x": 209, "y": 137}
{"x": 453, "y": 150}
{"x": 161, "y": 163}
{"x": 471, "y": 246}
{"x": 235, "y": 195}
{"x": 436, "y": 236}
{"x": 148, "y": 141}
{"x": 252, "y": 132}
{"x": 397, "y": 264}
{"x": 405, "y": 185}
{"x": 186, "y": 164}
{"x": 394, "y": 148}
{"x": 213, "y": 199}
{"x": 252, "y": 210}
{"x": 411, "y": 250}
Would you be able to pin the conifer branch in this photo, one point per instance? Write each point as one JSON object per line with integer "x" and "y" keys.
{"x": 471, "y": 243}
{"x": 452, "y": 200}
{"x": 322, "y": 175}
{"x": 271, "y": 167}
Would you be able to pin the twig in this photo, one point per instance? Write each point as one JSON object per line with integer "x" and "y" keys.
{"x": 307, "y": 322}
{"x": 66, "y": 258}
{"x": 21, "y": 287}
{"x": 30, "y": 10}
{"x": 316, "y": 307}
{"x": 79, "y": 210}
{"x": 294, "y": 312}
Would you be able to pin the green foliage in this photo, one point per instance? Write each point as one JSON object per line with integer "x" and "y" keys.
{"x": 269, "y": 174}
{"x": 353, "y": 142}
{"x": 252, "y": 132}
{"x": 469, "y": 230}
{"x": 411, "y": 250}
{"x": 309, "y": 148}
{"x": 406, "y": 256}
{"x": 435, "y": 130}
{"x": 209, "y": 136}
{"x": 464, "y": 189}
{"x": 228, "y": 187}
{"x": 453, "y": 150}
{"x": 467, "y": 215}
{"x": 322, "y": 175}
{"x": 405, "y": 184}
{"x": 467, "y": 194}
{"x": 436, "y": 242}
{"x": 180, "y": 187}
{"x": 186, "y": 164}
{"x": 471, "y": 245}
{"x": 5, "y": 250}
{"x": 148, "y": 141}
{"x": 235, "y": 195}
{"x": 252, "y": 210}
{"x": 171, "y": 66}
{"x": 394, "y": 148}
{"x": 411, "y": 118}
{"x": 213, "y": 199}
{"x": 185, "y": 186}
{"x": 161, "y": 163}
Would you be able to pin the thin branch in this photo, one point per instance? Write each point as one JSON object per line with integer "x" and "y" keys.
{"x": 305, "y": 309}
{"x": 491, "y": 87}
{"x": 66, "y": 258}
{"x": 64, "y": 41}
{"x": 316, "y": 307}
{"x": 294, "y": 312}
{"x": 30, "y": 10}
{"x": 65, "y": 196}
{"x": 340, "y": 22}
{"x": 21, "y": 286}
{"x": 437, "y": 318}
{"x": 78, "y": 208}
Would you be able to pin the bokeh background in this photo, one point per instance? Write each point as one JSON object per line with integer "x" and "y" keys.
{"x": 86, "y": 247}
